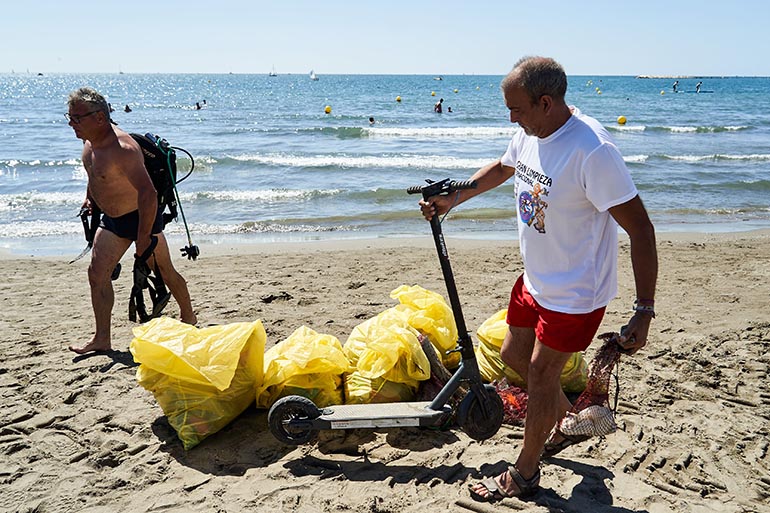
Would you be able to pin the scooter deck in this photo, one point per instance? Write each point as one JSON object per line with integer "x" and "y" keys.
{"x": 355, "y": 416}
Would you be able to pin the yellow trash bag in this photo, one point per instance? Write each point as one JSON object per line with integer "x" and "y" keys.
{"x": 369, "y": 330}
{"x": 201, "y": 378}
{"x": 385, "y": 347}
{"x": 491, "y": 334}
{"x": 361, "y": 390}
{"x": 430, "y": 314}
{"x": 306, "y": 363}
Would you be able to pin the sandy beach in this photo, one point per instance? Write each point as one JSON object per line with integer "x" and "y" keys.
{"x": 77, "y": 434}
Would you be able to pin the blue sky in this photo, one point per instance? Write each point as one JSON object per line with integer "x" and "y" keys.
{"x": 684, "y": 37}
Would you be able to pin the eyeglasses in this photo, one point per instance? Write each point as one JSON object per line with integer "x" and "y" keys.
{"x": 77, "y": 118}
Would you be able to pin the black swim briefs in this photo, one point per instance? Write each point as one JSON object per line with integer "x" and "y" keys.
{"x": 127, "y": 225}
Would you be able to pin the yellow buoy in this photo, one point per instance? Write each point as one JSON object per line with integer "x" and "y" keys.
{"x": 398, "y": 98}
{"x": 433, "y": 93}
{"x": 598, "y": 92}
{"x": 621, "y": 120}
{"x": 455, "y": 90}
{"x": 328, "y": 109}
{"x": 662, "y": 93}
{"x": 596, "y": 88}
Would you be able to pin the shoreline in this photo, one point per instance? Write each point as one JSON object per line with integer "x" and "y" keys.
{"x": 229, "y": 248}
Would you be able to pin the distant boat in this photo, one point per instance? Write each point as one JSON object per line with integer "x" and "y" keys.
{"x": 272, "y": 73}
{"x": 438, "y": 78}
{"x": 312, "y": 75}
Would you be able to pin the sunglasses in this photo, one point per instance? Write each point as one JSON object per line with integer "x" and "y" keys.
{"x": 77, "y": 118}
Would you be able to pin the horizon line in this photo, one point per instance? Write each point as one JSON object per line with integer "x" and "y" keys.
{"x": 644, "y": 76}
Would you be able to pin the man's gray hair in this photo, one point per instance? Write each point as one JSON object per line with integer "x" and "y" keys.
{"x": 538, "y": 76}
{"x": 90, "y": 96}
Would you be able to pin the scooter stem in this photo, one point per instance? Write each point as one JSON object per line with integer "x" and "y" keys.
{"x": 466, "y": 344}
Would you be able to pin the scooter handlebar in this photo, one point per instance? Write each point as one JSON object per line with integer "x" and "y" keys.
{"x": 465, "y": 184}
{"x": 415, "y": 189}
{"x": 445, "y": 186}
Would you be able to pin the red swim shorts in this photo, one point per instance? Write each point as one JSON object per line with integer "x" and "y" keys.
{"x": 568, "y": 333}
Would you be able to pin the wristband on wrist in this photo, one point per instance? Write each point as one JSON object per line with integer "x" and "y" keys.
{"x": 645, "y": 306}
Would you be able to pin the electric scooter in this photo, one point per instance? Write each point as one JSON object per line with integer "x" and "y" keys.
{"x": 295, "y": 420}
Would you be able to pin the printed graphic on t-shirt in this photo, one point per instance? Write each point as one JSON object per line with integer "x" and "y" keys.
{"x": 531, "y": 203}
{"x": 532, "y": 207}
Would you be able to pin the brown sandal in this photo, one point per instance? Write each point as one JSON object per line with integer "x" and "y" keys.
{"x": 527, "y": 487}
{"x": 553, "y": 448}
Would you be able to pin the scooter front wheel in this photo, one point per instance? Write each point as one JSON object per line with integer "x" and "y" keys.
{"x": 473, "y": 420}
{"x": 289, "y": 419}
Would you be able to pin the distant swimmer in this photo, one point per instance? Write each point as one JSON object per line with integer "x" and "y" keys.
{"x": 449, "y": 109}
{"x": 675, "y": 86}
{"x": 437, "y": 107}
{"x": 371, "y": 120}
{"x": 126, "y": 108}
{"x": 197, "y": 106}
{"x": 697, "y": 87}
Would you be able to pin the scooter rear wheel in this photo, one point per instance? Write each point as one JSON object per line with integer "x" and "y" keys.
{"x": 471, "y": 417}
{"x": 285, "y": 415}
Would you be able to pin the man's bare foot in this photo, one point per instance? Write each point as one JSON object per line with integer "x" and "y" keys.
{"x": 91, "y": 347}
{"x": 193, "y": 319}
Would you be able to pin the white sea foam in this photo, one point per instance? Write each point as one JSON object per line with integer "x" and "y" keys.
{"x": 430, "y": 132}
{"x": 683, "y": 129}
{"x": 636, "y": 159}
{"x": 707, "y": 129}
{"x": 692, "y": 158}
{"x": 38, "y": 162}
{"x": 41, "y": 198}
{"x": 719, "y": 156}
{"x": 629, "y": 128}
{"x": 257, "y": 195}
{"x": 366, "y": 161}
{"x": 753, "y": 156}
{"x": 266, "y": 227}
{"x": 39, "y": 228}
{"x": 29, "y": 229}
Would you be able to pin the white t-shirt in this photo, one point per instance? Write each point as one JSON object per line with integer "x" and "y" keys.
{"x": 564, "y": 185}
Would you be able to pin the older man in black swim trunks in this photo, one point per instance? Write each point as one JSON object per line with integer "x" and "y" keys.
{"x": 118, "y": 182}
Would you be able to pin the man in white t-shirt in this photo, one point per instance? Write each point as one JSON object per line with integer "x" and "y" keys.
{"x": 572, "y": 190}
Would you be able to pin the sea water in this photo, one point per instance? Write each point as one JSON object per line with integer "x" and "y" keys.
{"x": 272, "y": 165}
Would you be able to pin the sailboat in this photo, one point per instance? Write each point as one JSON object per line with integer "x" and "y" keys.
{"x": 312, "y": 75}
{"x": 272, "y": 73}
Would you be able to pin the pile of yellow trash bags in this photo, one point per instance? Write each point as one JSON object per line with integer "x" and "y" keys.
{"x": 490, "y": 335}
{"x": 204, "y": 378}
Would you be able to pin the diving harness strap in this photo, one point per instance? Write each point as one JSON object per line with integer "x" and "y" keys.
{"x": 150, "y": 279}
